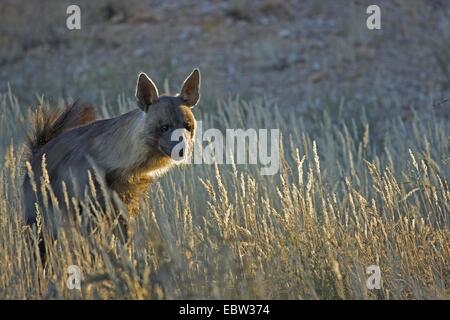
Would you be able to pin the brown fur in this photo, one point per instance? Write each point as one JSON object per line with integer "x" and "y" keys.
{"x": 48, "y": 125}
{"x": 126, "y": 153}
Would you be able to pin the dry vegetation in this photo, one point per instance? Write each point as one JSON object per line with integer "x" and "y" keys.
{"x": 342, "y": 202}
{"x": 364, "y": 180}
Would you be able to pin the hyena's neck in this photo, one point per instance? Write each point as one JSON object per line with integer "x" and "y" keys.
{"x": 130, "y": 165}
{"x": 124, "y": 149}
{"x": 120, "y": 143}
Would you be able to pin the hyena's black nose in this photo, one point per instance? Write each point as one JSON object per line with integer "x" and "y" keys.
{"x": 181, "y": 153}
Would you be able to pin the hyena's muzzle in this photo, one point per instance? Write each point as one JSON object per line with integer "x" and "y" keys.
{"x": 181, "y": 145}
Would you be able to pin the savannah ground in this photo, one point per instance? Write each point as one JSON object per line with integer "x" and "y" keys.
{"x": 364, "y": 160}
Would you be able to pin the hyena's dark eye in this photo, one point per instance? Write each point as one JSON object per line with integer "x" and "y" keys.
{"x": 164, "y": 128}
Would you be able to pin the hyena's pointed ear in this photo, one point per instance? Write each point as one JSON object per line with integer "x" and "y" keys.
{"x": 146, "y": 92}
{"x": 190, "y": 91}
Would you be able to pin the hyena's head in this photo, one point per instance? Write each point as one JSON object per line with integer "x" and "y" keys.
{"x": 169, "y": 121}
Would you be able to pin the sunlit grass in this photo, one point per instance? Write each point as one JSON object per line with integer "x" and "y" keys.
{"x": 347, "y": 197}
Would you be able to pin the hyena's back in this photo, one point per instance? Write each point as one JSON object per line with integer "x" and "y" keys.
{"x": 58, "y": 137}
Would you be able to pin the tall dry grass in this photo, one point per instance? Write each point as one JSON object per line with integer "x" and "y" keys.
{"x": 348, "y": 196}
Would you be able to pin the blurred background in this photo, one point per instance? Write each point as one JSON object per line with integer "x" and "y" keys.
{"x": 293, "y": 52}
{"x": 364, "y": 166}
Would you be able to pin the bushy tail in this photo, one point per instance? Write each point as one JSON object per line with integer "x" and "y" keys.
{"x": 47, "y": 125}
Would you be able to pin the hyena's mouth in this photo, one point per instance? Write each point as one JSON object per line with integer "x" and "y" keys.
{"x": 176, "y": 154}
{"x": 181, "y": 155}
{"x": 165, "y": 151}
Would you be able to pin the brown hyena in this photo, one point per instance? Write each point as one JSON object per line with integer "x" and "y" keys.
{"x": 124, "y": 154}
